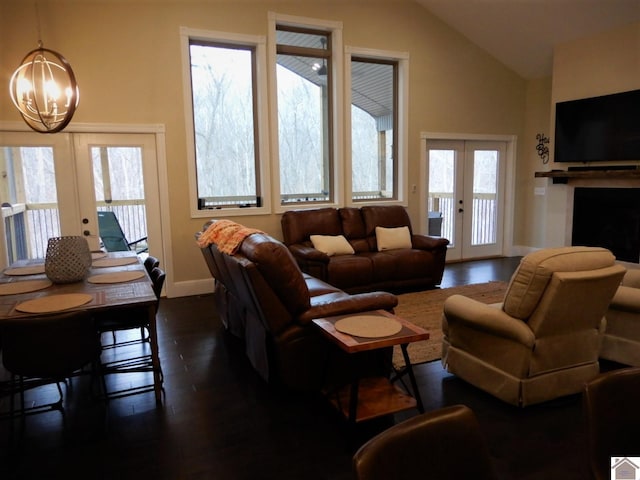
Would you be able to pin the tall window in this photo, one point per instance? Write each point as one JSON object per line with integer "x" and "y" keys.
{"x": 304, "y": 110}
{"x": 373, "y": 129}
{"x": 225, "y": 127}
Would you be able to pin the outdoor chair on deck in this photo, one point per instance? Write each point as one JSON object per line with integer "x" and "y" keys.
{"x": 113, "y": 237}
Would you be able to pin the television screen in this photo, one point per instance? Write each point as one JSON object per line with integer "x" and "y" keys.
{"x": 598, "y": 129}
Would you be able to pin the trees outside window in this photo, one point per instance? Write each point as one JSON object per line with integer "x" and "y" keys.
{"x": 373, "y": 134}
{"x": 304, "y": 108}
{"x": 224, "y": 112}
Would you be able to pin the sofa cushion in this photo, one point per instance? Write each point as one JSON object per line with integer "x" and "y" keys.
{"x": 384, "y": 216}
{"x": 347, "y": 271}
{"x": 332, "y": 244}
{"x": 298, "y": 225}
{"x": 530, "y": 280}
{"x": 392, "y": 238}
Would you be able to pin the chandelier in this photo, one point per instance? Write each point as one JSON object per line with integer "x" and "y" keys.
{"x": 44, "y": 90}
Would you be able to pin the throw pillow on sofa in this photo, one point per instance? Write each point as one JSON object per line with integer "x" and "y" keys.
{"x": 332, "y": 244}
{"x": 391, "y": 238}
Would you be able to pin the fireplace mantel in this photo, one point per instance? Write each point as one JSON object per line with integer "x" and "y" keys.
{"x": 563, "y": 176}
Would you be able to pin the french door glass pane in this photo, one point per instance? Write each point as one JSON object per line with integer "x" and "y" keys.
{"x": 29, "y": 199}
{"x": 441, "y": 189}
{"x": 485, "y": 187}
{"x": 119, "y": 188}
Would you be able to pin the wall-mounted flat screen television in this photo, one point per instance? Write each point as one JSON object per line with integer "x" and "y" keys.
{"x": 598, "y": 129}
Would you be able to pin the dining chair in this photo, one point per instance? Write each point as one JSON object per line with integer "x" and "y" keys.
{"x": 150, "y": 263}
{"x": 125, "y": 357}
{"x": 50, "y": 349}
{"x": 105, "y": 325}
{"x": 443, "y": 444}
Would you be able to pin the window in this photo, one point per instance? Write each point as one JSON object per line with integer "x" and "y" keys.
{"x": 373, "y": 133}
{"x": 224, "y": 90}
{"x": 304, "y": 104}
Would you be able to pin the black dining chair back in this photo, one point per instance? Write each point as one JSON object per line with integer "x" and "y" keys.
{"x": 157, "y": 278}
{"x": 124, "y": 358}
{"x": 150, "y": 263}
{"x": 48, "y": 349}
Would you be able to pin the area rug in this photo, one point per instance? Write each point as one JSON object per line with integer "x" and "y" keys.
{"x": 425, "y": 309}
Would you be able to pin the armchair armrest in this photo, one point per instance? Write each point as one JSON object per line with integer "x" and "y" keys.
{"x": 424, "y": 242}
{"x": 362, "y": 302}
{"x": 626, "y": 299}
{"x": 461, "y": 310}
{"x": 631, "y": 278}
{"x": 308, "y": 254}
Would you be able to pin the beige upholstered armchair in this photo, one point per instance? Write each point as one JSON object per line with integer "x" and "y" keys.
{"x": 543, "y": 341}
{"x": 621, "y": 341}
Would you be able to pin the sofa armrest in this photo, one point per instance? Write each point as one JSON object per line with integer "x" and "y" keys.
{"x": 308, "y": 254}
{"x": 425, "y": 242}
{"x": 348, "y": 304}
{"x": 469, "y": 313}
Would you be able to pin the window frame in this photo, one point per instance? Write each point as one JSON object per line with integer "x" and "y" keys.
{"x": 336, "y": 109}
{"x": 261, "y": 139}
{"x": 401, "y": 118}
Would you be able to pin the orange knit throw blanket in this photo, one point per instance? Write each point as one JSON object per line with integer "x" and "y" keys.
{"x": 227, "y": 236}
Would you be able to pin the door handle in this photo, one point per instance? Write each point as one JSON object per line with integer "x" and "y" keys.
{"x": 460, "y": 210}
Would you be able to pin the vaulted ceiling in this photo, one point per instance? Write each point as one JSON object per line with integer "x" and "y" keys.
{"x": 522, "y": 33}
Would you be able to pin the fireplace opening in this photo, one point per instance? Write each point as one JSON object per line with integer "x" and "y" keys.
{"x": 609, "y": 218}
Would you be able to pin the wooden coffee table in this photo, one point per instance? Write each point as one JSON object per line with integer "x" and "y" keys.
{"x": 367, "y": 398}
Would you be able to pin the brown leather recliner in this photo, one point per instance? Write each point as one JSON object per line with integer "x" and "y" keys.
{"x": 264, "y": 298}
{"x": 610, "y": 405}
{"x": 419, "y": 266}
{"x": 442, "y": 444}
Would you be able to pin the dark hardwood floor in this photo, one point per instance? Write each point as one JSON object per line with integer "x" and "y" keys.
{"x": 220, "y": 421}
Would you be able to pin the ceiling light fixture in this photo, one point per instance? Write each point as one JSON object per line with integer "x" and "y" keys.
{"x": 44, "y": 89}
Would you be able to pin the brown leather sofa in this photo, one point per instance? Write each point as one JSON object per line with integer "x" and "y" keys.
{"x": 418, "y": 267}
{"x": 264, "y": 298}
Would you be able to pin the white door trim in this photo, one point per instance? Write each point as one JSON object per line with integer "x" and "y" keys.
{"x": 511, "y": 148}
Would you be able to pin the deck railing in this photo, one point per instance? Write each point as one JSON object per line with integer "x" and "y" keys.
{"x": 29, "y": 228}
{"x": 483, "y": 223}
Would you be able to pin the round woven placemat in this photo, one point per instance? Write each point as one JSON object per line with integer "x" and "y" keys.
{"x": 28, "y": 270}
{"x": 13, "y": 288}
{"x": 54, "y": 303}
{"x": 114, "y": 262}
{"x": 116, "y": 277}
{"x": 369, "y": 326}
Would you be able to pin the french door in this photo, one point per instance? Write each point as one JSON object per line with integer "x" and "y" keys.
{"x": 466, "y": 188}
{"x": 55, "y": 185}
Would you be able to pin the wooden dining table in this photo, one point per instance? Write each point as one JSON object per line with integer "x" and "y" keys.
{"x": 116, "y": 280}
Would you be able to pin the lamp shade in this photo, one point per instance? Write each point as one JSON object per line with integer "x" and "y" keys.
{"x": 44, "y": 89}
